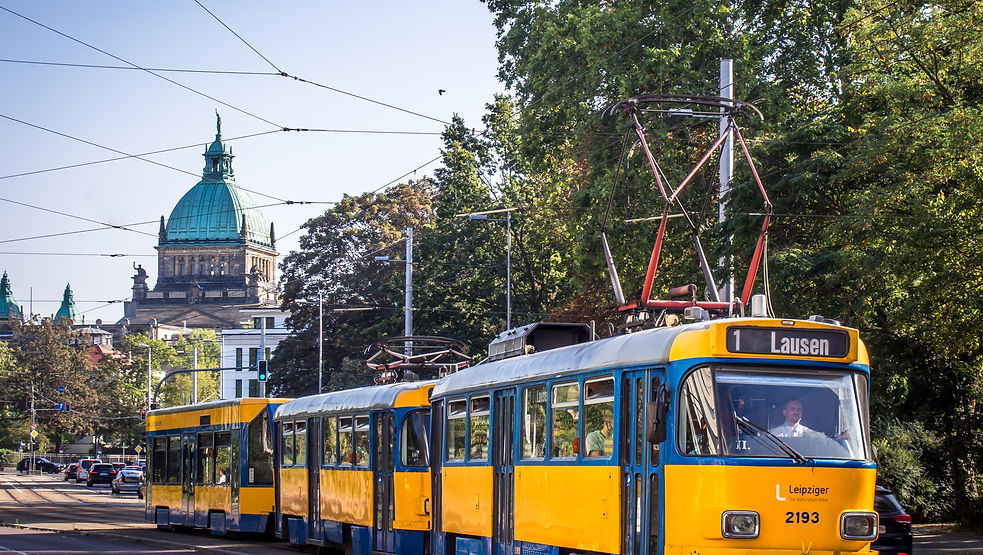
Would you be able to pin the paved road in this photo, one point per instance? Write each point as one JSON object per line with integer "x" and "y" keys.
{"x": 63, "y": 517}
{"x": 31, "y": 542}
{"x": 90, "y": 520}
{"x": 937, "y": 539}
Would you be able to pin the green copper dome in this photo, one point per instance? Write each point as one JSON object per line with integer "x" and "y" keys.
{"x": 8, "y": 306}
{"x": 67, "y": 308}
{"x": 216, "y": 209}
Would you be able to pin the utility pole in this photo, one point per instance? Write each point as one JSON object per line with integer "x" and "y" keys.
{"x": 194, "y": 375}
{"x": 34, "y": 427}
{"x": 408, "y": 319}
{"x": 508, "y": 270}
{"x": 262, "y": 352}
{"x": 726, "y": 171}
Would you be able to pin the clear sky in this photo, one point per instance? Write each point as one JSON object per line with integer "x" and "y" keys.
{"x": 398, "y": 53}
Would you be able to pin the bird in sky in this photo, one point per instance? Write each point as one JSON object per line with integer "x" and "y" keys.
{"x": 441, "y": 91}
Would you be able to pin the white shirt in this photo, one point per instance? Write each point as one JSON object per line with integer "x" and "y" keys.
{"x": 796, "y": 430}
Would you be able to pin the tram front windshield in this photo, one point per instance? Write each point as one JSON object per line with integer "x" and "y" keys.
{"x": 754, "y": 412}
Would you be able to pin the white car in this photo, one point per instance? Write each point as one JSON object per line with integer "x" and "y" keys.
{"x": 128, "y": 480}
{"x": 84, "y": 466}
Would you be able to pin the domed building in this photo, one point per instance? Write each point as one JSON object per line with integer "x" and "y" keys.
{"x": 215, "y": 254}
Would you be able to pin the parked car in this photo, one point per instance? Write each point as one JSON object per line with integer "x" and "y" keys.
{"x": 895, "y": 529}
{"x": 100, "y": 473}
{"x": 40, "y": 463}
{"x": 71, "y": 471}
{"x": 129, "y": 479}
{"x": 84, "y": 466}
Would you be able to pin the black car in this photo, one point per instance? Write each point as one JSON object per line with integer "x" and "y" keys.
{"x": 895, "y": 531}
{"x": 71, "y": 472}
{"x": 40, "y": 463}
{"x": 100, "y": 473}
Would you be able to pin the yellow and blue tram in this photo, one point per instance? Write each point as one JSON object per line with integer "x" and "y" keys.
{"x": 723, "y": 436}
{"x": 211, "y": 465}
{"x": 354, "y": 470}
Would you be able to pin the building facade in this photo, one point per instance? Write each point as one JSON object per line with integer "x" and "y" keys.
{"x": 215, "y": 254}
{"x": 241, "y": 348}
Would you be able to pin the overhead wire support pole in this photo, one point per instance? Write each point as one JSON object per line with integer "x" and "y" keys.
{"x": 320, "y": 341}
{"x": 408, "y": 319}
{"x": 726, "y": 171}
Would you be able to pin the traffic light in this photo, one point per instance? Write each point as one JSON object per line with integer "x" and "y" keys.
{"x": 68, "y": 406}
{"x": 261, "y": 367}
{"x": 143, "y": 414}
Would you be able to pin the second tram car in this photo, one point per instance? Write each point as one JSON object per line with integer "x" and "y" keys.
{"x": 354, "y": 469}
{"x": 211, "y": 465}
{"x": 724, "y": 436}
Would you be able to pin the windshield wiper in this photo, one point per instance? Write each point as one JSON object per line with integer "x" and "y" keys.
{"x": 775, "y": 439}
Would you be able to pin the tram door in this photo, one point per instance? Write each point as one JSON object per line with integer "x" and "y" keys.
{"x": 188, "y": 448}
{"x": 383, "y": 473}
{"x": 313, "y": 463}
{"x": 504, "y": 476}
{"x": 640, "y": 465}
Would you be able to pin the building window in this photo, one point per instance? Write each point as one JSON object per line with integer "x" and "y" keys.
{"x": 238, "y": 388}
{"x": 238, "y": 358}
{"x": 254, "y": 388}
{"x": 253, "y": 357}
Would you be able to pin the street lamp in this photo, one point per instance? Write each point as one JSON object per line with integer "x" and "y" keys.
{"x": 408, "y": 317}
{"x": 483, "y": 217}
{"x": 320, "y": 336}
{"x": 150, "y": 385}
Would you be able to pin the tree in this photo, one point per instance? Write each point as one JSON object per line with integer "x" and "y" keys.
{"x": 336, "y": 260}
{"x": 43, "y": 357}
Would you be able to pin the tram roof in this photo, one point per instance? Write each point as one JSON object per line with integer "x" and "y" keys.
{"x": 362, "y": 398}
{"x": 647, "y": 346}
{"x": 218, "y": 403}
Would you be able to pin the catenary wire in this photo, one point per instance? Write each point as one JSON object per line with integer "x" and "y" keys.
{"x": 159, "y": 76}
{"x": 302, "y": 80}
{"x": 131, "y": 68}
{"x": 238, "y": 36}
{"x": 126, "y": 154}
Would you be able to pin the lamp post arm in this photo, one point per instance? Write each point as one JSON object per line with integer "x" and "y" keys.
{"x": 184, "y": 371}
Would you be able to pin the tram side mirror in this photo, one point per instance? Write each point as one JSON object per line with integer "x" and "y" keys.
{"x": 655, "y": 421}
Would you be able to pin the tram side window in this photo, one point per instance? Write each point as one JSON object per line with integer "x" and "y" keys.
{"x": 698, "y": 429}
{"x": 478, "y": 420}
{"x": 329, "y": 433}
{"x": 286, "y": 443}
{"x": 206, "y": 458}
{"x": 223, "y": 457}
{"x": 362, "y": 447}
{"x": 300, "y": 443}
{"x": 259, "y": 454}
{"x": 566, "y": 416}
{"x": 457, "y": 432}
{"x": 345, "y": 440}
{"x": 159, "y": 460}
{"x": 599, "y": 417}
{"x": 173, "y": 473}
{"x": 414, "y": 443}
{"x": 534, "y": 422}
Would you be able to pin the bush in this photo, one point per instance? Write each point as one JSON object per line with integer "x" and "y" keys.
{"x": 910, "y": 462}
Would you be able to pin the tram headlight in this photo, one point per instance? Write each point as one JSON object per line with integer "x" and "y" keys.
{"x": 858, "y": 526}
{"x": 740, "y": 524}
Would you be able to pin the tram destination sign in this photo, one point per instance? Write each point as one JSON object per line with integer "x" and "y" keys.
{"x": 788, "y": 342}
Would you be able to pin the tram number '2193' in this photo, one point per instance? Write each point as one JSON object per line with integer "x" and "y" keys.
{"x": 802, "y": 517}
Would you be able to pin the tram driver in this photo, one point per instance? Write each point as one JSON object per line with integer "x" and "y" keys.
{"x": 793, "y": 426}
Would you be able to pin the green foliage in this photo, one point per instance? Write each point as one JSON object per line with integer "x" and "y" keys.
{"x": 43, "y": 356}
{"x": 910, "y": 463}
